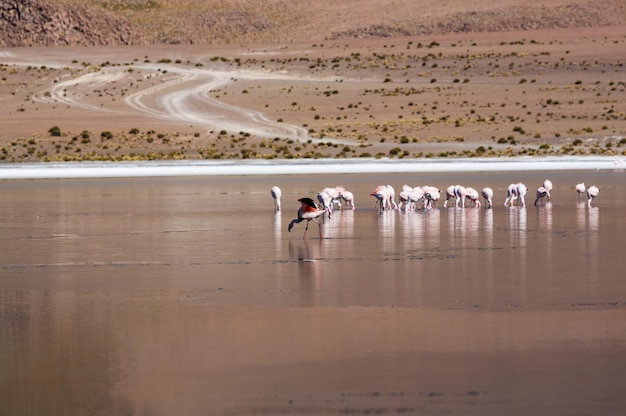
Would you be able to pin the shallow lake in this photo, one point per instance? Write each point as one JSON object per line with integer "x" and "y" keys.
{"x": 189, "y": 296}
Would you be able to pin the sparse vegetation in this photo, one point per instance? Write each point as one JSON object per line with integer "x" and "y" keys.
{"x": 431, "y": 93}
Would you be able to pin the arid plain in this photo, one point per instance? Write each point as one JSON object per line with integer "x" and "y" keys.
{"x": 557, "y": 92}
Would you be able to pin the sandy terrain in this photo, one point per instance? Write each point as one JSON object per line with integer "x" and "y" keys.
{"x": 513, "y": 93}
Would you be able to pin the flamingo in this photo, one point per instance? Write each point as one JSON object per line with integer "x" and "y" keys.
{"x": 392, "y": 196}
{"x": 332, "y": 192}
{"x": 542, "y": 192}
{"x": 276, "y": 194}
{"x": 522, "y": 190}
{"x": 487, "y": 193}
{"x": 333, "y": 195}
{"x": 381, "y": 193}
{"x": 416, "y": 195}
{"x": 548, "y": 185}
{"x": 326, "y": 200}
{"x": 511, "y": 195}
{"x": 343, "y": 195}
{"x": 308, "y": 211}
{"x": 592, "y": 193}
{"x": 336, "y": 195}
{"x": 432, "y": 195}
{"x": 472, "y": 195}
{"x": 460, "y": 193}
{"x": 385, "y": 194}
{"x": 515, "y": 192}
{"x": 403, "y": 197}
{"x": 580, "y": 188}
{"x": 449, "y": 194}
{"x": 348, "y": 197}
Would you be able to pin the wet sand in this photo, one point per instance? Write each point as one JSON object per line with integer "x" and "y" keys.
{"x": 189, "y": 296}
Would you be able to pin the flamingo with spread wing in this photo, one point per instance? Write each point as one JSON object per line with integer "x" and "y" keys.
{"x": 308, "y": 211}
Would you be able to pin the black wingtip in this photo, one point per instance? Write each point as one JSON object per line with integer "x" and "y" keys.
{"x": 308, "y": 202}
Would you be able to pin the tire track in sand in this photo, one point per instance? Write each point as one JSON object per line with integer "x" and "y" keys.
{"x": 182, "y": 96}
{"x": 187, "y": 99}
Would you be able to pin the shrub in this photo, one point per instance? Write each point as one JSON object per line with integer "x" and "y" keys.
{"x": 54, "y": 131}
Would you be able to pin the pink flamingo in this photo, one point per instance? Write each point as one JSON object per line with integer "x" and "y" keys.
{"x": 522, "y": 190}
{"x": 381, "y": 193}
{"x": 391, "y": 201}
{"x": 403, "y": 197}
{"x": 580, "y": 188}
{"x": 348, "y": 197}
{"x": 548, "y": 185}
{"x": 432, "y": 195}
{"x": 511, "y": 195}
{"x": 472, "y": 195}
{"x": 487, "y": 193}
{"x": 592, "y": 193}
{"x": 333, "y": 197}
{"x": 416, "y": 196}
{"x": 276, "y": 194}
{"x": 385, "y": 194}
{"x": 450, "y": 193}
{"x": 325, "y": 199}
{"x": 460, "y": 193}
{"x": 542, "y": 192}
{"x": 515, "y": 192}
{"x": 343, "y": 195}
{"x": 308, "y": 211}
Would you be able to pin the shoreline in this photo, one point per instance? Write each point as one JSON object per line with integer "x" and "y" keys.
{"x": 85, "y": 170}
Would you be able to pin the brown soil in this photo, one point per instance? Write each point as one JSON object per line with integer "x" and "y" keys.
{"x": 525, "y": 92}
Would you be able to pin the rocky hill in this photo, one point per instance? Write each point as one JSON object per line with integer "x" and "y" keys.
{"x": 495, "y": 20}
{"x": 45, "y": 23}
{"x": 126, "y": 22}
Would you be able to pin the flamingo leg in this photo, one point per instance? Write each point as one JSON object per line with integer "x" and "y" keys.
{"x": 318, "y": 225}
{"x": 305, "y": 230}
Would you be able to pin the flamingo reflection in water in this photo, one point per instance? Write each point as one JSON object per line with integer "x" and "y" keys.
{"x": 308, "y": 211}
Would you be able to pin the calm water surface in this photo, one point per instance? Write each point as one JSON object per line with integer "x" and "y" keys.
{"x": 189, "y": 296}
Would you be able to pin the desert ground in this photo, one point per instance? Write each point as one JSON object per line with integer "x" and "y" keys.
{"x": 532, "y": 92}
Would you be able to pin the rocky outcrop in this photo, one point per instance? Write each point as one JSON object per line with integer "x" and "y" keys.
{"x": 126, "y": 22}
{"x": 44, "y": 23}
{"x": 499, "y": 20}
